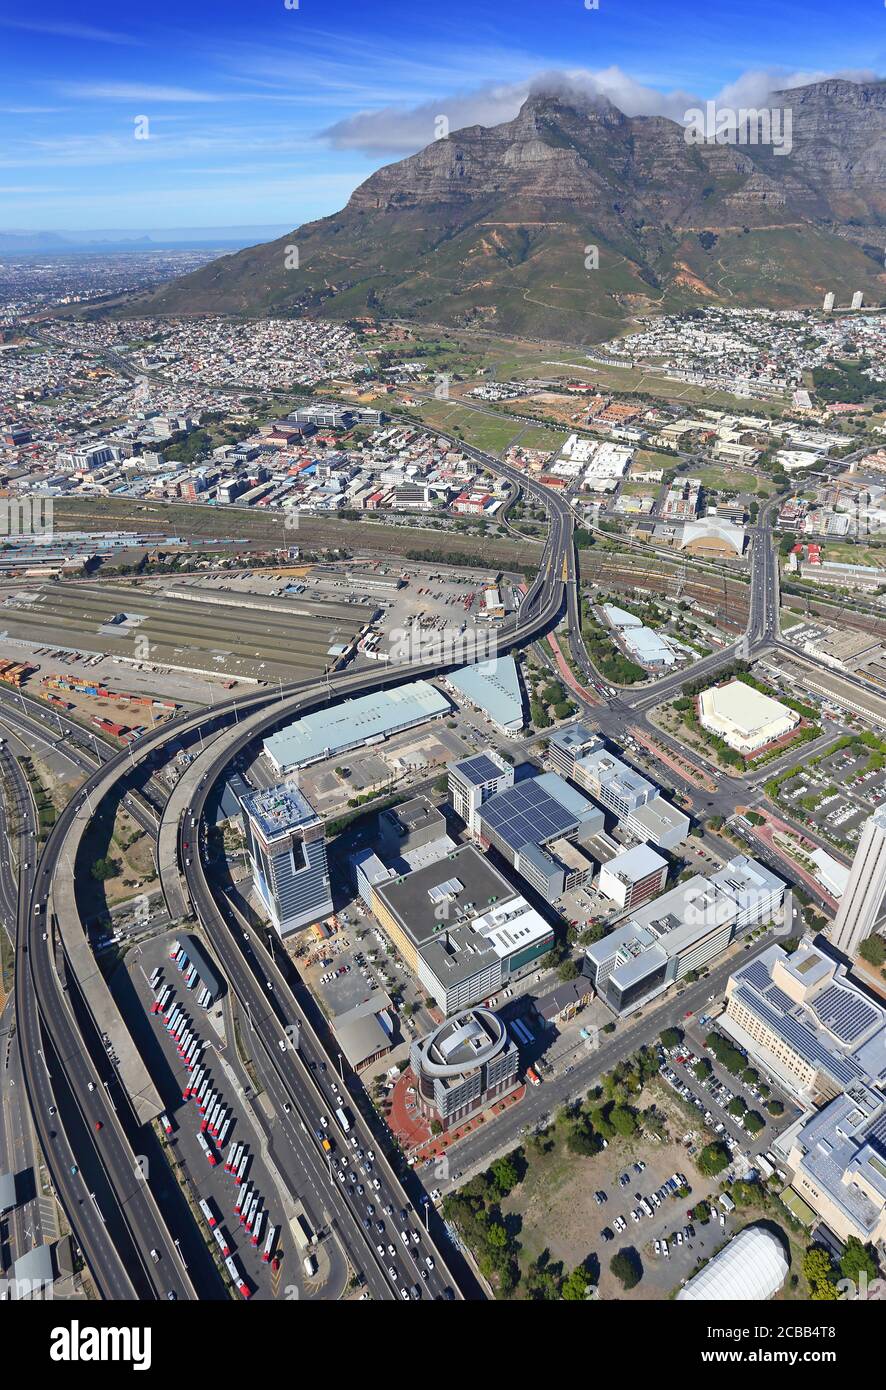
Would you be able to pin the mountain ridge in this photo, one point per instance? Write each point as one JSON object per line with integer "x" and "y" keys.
{"x": 499, "y": 225}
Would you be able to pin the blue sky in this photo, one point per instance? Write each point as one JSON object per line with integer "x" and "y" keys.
{"x": 259, "y": 114}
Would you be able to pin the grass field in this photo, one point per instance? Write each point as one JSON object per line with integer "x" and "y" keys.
{"x": 732, "y": 479}
{"x": 473, "y": 426}
{"x": 537, "y": 437}
{"x": 847, "y": 554}
{"x": 651, "y": 458}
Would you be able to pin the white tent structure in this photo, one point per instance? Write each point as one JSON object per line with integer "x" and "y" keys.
{"x": 751, "y": 1268}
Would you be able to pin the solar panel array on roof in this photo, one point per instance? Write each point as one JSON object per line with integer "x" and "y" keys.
{"x": 479, "y": 770}
{"x": 844, "y": 1013}
{"x": 526, "y": 814}
{"x": 756, "y": 974}
{"x": 843, "y": 1069}
{"x": 778, "y": 997}
{"x": 877, "y": 1135}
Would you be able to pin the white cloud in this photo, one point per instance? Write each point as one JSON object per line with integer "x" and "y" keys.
{"x": 135, "y": 91}
{"x": 400, "y": 130}
{"x": 65, "y": 30}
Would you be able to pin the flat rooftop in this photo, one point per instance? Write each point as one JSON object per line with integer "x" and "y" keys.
{"x": 277, "y": 810}
{"x": 748, "y": 710}
{"x": 494, "y": 687}
{"x": 452, "y": 891}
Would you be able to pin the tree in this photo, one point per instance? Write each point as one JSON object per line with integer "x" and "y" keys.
{"x": 568, "y": 970}
{"x": 671, "y": 1037}
{"x": 819, "y": 1272}
{"x": 713, "y": 1159}
{"x": 103, "y": 869}
{"x": 753, "y": 1122}
{"x": 873, "y": 950}
{"x": 623, "y": 1120}
{"x": 626, "y": 1266}
{"x": 702, "y": 1069}
{"x": 504, "y": 1174}
{"x": 737, "y": 1107}
{"x": 575, "y": 1286}
{"x": 858, "y": 1259}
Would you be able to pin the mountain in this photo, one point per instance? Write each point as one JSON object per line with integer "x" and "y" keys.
{"x": 504, "y": 226}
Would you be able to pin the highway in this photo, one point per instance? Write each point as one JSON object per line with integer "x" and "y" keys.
{"x": 244, "y": 958}
{"x": 54, "y": 881}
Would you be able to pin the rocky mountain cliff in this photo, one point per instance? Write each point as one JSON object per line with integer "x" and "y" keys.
{"x": 566, "y": 220}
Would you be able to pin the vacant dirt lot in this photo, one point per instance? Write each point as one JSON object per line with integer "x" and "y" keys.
{"x": 554, "y": 1213}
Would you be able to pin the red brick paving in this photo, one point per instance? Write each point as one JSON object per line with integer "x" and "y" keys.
{"x": 413, "y": 1132}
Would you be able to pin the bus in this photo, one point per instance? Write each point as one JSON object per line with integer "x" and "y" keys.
{"x": 163, "y": 998}
{"x": 270, "y": 1239}
{"x": 166, "y": 1122}
{"x": 255, "y": 1234}
{"x": 249, "y": 1220}
{"x": 222, "y": 1241}
{"x": 207, "y": 1211}
{"x": 241, "y": 1168}
{"x": 243, "y": 1197}
{"x": 533, "y": 1077}
{"x": 156, "y": 973}
{"x": 343, "y": 1119}
{"x": 234, "y": 1271}
{"x": 207, "y": 1149}
{"x": 174, "y": 950}
{"x": 233, "y": 1158}
{"x": 223, "y": 1132}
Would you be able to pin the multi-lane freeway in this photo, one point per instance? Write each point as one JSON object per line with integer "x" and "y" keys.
{"x": 119, "y": 1247}
{"x": 117, "y": 1242}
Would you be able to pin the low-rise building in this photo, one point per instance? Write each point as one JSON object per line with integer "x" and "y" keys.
{"x": 682, "y": 930}
{"x": 634, "y": 876}
{"x": 745, "y": 718}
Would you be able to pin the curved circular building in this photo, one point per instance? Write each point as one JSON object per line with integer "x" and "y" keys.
{"x": 463, "y": 1065}
{"x": 751, "y": 1268}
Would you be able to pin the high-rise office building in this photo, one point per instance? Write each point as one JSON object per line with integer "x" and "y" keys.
{"x": 863, "y": 904}
{"x": 287, "y": 847}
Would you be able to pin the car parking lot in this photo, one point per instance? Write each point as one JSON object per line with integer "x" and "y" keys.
{"x": 712, "y": 1097}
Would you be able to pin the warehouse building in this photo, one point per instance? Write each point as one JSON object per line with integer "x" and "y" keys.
{"x": 743, "y": 717}
{"x": 354, "y": 724}
{"x": 493, "y": 688}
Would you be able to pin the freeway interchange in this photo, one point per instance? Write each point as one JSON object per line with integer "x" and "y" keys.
{"x": 117, "y": 1216}
{"x": 118, "y": 1220}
